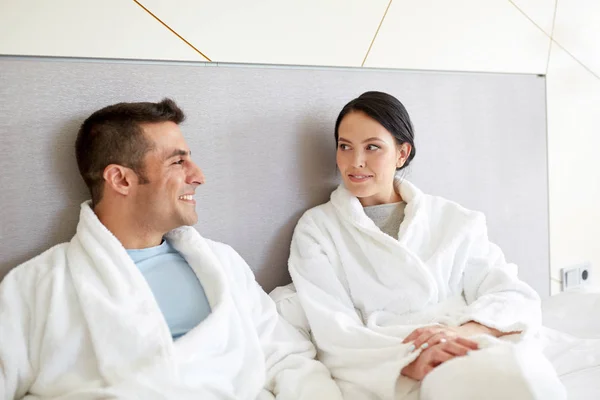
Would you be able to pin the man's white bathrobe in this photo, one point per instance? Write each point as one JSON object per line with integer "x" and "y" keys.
{"x": 80, "y": 322}
{"x": 363, "y": 291}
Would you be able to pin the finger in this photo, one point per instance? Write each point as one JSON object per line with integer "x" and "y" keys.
{"x": 440, "y": 337}
{"x": 455, "y": 348}
{"x": 467, "y": 343}
{"x": 438, "y": 355}
{"x": 421, "y": 342}
{"x": 413, "y": 335}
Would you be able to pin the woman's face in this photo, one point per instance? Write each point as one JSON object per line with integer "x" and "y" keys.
{"x": 367, "y": 157}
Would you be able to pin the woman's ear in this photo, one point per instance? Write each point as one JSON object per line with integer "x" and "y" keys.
{"x": 403, "y": 153}
{"x": 118, "y": 178}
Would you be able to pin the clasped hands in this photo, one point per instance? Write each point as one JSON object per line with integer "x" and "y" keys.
{"x": 440, "y": 344}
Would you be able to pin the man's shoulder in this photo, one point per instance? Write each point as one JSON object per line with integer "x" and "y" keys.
{"x": 41, "y": 266}
{"x": 223, "y": 251}
{"x": 188, "y": 237}
{"x": 234, "y": 267}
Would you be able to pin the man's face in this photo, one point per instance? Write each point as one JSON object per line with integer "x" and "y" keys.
{"x": 166, "y": 201}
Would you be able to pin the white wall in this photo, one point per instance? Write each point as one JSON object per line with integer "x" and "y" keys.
{"x": 84, "y": 28}
{"x": 573, "y": 85}
{"x": 559, "y": 39}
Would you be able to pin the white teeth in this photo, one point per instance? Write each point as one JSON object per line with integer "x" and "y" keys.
{"x": 187, "y": 197}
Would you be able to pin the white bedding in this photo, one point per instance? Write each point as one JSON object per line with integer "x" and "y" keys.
{"x": 572, "y": 334}
{"x": 577, "y": 313}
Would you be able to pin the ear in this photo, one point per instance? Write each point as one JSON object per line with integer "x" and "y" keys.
{"x": 118, "y": 178}
{"x": 403, "y": 152}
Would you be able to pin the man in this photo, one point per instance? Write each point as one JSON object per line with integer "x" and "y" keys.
{"x": 138, "y": 305}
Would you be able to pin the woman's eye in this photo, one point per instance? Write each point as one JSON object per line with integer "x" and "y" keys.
{"x": 343, "y": 146}
{"x": 372, "y": 147}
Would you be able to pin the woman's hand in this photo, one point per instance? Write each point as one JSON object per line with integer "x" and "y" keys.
{"x": 431, "y": 335}
{"x": 473, "y": 328}
{"x": 438, "y": 344}
{"x": 435, "y": 355}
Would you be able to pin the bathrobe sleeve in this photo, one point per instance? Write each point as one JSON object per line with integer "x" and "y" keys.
{"x": 16, "y": 372}
{"x": 496, "y": 297}
{"x": 289, "y": 308}
{"x": 356, "y": 353}
{"x": 292, "y": 372}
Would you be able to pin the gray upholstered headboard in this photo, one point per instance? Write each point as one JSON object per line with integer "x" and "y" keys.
{"x": 264, "y": 138}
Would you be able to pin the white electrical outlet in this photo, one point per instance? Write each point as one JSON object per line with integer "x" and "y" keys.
{"x": 576, "y": 276}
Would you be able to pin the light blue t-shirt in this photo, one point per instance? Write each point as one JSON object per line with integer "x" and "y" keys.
{"x": 175, "y": 286}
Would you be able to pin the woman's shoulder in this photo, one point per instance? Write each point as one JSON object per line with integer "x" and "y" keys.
{"x": 432, "y": 202}
{"x": 444, "y": 208}
{"x": 318, "y": 213}
{"x": 316, "y": 220}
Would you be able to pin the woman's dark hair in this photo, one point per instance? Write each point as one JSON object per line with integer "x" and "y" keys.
{"x": 389, "y": 112}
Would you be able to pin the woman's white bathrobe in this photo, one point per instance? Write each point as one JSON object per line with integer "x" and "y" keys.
{"x": 363, "y": 291}
{"x": 80, "y": 322}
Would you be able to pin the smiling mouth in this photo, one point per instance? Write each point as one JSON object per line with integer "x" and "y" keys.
{"x": 186, "y": 197}
{"x": 359, "y": 178}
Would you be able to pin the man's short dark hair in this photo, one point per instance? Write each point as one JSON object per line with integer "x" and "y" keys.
{"x": 113, "y": 135}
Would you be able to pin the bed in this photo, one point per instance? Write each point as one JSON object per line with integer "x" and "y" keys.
{"x": 265, "y": 132}
{"x": 572, "y": 334}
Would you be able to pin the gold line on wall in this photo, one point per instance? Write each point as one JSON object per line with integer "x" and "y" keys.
{"x": 376, "y": 32}
{"x": 529, "y": 18}
{"x": 551, "y": 36}
{"x": 552, "y": 40}
{"x": 169, "y": 28}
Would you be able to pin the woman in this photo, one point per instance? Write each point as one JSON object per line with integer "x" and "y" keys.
{"x": 400, "y": 287}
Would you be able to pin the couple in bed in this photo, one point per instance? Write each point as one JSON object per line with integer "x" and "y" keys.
{"x": 400, "y": 295}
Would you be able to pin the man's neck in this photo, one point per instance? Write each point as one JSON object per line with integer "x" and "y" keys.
{"x": 132, "y": 242}
{"x": 131, "y": 234}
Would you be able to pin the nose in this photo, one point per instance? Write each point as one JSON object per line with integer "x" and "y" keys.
{"x": 358, "y": 159}
{"x": 195, "y": 175}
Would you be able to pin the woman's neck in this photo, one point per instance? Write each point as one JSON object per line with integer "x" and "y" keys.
{"x": 381, "y": 198}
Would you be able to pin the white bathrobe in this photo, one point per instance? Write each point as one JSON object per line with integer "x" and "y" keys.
{"x": 363, "y": 291}
{"x": 80, "y": 322}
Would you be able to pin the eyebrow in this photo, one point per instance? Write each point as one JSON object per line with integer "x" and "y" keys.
{"x": 364, "y": 141}
{"x": 179, "y": 152}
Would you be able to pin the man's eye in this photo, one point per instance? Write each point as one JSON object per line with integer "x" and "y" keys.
{"x": 180, "y": 162}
